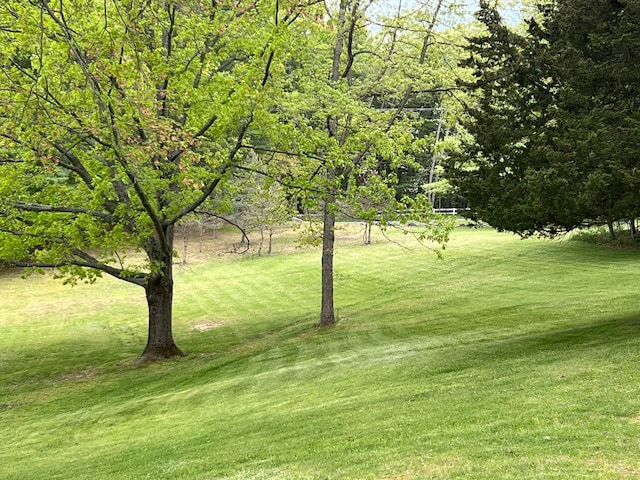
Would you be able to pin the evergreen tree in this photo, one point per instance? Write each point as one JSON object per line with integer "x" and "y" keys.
{"x": 556, "y": 120}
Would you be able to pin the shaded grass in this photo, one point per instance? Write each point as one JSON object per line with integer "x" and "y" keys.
{"x": 510, "y": 359}
{"x": 602, "y": 237}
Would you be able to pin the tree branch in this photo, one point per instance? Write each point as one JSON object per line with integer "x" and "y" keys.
{"x": 38, "y": 207}
{"x": 146, "y": 204}
{"x": 278, "y": 180}
{"x": 233, "y": 224}
{"x": 76, "y": 164}
{"x": 86, "y": 260}
{"x": 284, "y": 152}
{"x": 352, "y": 28}
{"x": 80, "y": 56}
{"x": 119, "y": 273}
{"x": 208, "y": 190}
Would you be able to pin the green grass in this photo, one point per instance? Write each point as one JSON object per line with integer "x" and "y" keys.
{"x": 601, "y": 236}
{"x": 509, "y": 359}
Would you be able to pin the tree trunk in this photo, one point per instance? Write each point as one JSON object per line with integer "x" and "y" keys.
{"x": 612, "y": 232}
{"x": 185, "y": 243}
{"x": 327, "y": 316}
{"x": 366, "y": 236}
{"x": 159, "y": 292}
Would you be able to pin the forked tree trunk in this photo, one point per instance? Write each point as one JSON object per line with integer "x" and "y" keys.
{"x": 366, "y": 236}
{"x": 159, "y": 292}
{"x": 327, "y": 316}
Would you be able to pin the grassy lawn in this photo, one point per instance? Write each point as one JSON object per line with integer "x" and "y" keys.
{"x": 509, "y": 359}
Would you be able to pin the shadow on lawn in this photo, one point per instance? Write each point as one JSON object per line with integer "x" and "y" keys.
{"x": 293, "y": 342}
{"x": 8, "y": 272}
{"x": 557, "y": 343}
{"x": 576, "y": 252}
{"x": 71, "y": 359}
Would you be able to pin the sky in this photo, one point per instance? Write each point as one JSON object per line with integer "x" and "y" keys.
{"x": 511, "y": 10}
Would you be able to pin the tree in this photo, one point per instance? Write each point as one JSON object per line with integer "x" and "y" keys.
{"x": 556, "y": 121}
{"x": 357, "y": 132}
{"x": 120, "y": 118}
{"x": 260, "y": 202}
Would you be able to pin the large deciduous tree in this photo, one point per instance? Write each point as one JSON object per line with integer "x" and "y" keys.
{"x": 557, "y": 120}
{"x": 119, "y": 118}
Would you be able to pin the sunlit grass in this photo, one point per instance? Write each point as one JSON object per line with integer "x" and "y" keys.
{"x": 509, "y": 359}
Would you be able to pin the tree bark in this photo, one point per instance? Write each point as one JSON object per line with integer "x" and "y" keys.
{"x": 327, "y": 316}
{"x": 366, "y": 236}
{"x": 612, "y": 232}
{"x": 159, "y": 293}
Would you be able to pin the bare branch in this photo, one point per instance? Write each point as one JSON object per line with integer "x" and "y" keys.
{"x": 279, "y": 180}
{"x": 138, "y": 279}
{"x": 119, "y": 273}
{"x": 167, "y": 43}
{"x": 208, "y": 124}
{"x": 146, "y": 203}
{"x": 245, "y": 236}
{"x": 268, "y": 68}
{"x": 284, "y": 152}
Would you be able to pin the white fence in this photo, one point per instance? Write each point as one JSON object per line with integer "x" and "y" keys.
{"x": 448, "y": 211}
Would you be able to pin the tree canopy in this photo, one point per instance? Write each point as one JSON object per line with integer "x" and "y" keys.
{"x": 119, "y": 118}
{"x": 555, "y": 122}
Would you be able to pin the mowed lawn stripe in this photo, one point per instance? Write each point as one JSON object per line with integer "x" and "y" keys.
{"x": 486, "y": 365}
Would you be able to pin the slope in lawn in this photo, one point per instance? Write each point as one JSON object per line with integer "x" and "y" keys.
{"x": 509, "y": 359}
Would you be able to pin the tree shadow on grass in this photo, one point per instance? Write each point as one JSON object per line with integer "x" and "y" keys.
{"x": 553, "y": 344}
{"x": 576, "y": 252}
{"x": 8, "y": 272}
{"x": 71, "y": 360}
